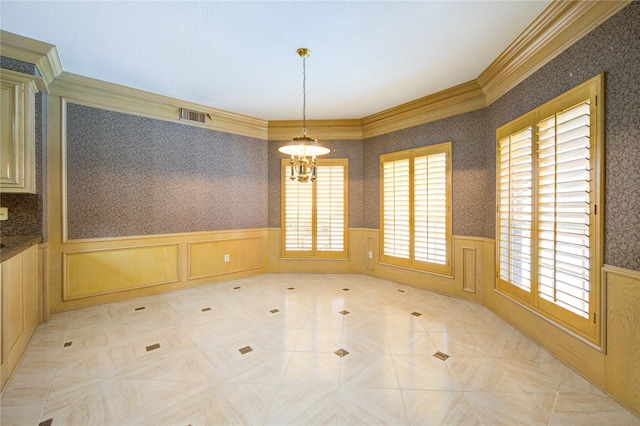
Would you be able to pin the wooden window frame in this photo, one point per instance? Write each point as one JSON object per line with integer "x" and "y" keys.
{"x": 314, "y": 252}
{"x": 588, "y": 328}
{"x": 411, "y": 262}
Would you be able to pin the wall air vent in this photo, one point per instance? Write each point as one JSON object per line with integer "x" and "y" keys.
{"x": 191, "y": 115}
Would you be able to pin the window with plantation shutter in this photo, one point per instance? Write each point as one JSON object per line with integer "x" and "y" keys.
{"x": 430, "y": 208}
{"x": 314, "y": 214}
{"x": 396, "y": 210}
{"x": 330, "y": 208}
{"x": 563, "y": 208}
{"x": 549, "y": 226}
{"x": 298, "y": 215}
{"x": 515, "y": 200}
{"x": 416, "y": 208}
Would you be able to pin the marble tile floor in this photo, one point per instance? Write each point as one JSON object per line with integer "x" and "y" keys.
{"x": 295, "y": 349}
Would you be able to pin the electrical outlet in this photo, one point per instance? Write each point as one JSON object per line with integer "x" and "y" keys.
{"x": 4, "y": 213}
{"x": 226, "y": 257}
{"x": 370, "y": 255}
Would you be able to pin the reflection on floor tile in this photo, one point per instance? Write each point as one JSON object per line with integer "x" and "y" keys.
{"x": 438, "y": 408}
{"x": 371, "y": 406}
{"x": 275, "y": 349}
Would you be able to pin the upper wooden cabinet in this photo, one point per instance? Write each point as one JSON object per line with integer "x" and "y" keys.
{"x": 17, "y": 131}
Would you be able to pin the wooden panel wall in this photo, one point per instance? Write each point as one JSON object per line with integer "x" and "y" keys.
{"x": 111, "y": 269}
{"x": 469, "y": 273}
{"x": 102, "y": 271}
{"x": 210, "y": 258}
{"x": 354, "y": 264}
{"x": 622, "y": 362}
{"x": 472, "y": 264}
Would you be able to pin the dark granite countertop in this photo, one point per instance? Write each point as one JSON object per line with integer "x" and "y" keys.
{"x": 16, "y": 244}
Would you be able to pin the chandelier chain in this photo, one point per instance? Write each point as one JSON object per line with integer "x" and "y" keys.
{"x": 304, "y": 96}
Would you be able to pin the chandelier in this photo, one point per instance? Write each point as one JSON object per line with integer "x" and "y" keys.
{"x": 304, "y": 149}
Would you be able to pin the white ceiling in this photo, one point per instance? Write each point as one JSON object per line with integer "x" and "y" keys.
{"x": 240, "y": 56}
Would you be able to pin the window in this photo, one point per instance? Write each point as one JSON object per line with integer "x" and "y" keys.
{"x": 314, "y": 215}
{"x": 416, "y": 208}
{"x": 549, "y": 209}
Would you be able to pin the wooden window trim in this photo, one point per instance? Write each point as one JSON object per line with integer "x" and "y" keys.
{"x": 588, "y": 328}
{"x": 411, "y": 262}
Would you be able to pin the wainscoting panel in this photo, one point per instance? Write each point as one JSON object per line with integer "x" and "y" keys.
{"x": 472, "y": 268}
{"x": 371, "y": 250}
{"x": 469, "y": 269}
{"x": 91, "y": 273}
{"x": 104, "y": 270}
{"x": 354, "y": 264}
{"x": 210, "y": 258}
{"x": 622, "y": 363}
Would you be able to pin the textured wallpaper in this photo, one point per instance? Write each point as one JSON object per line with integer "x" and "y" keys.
{"x": 470, "y": 191}
{"x": 17, "y": 65}
{"x": 339, "y": 149}
{"x": 613, "y": 48}
{"x": 131, "y": 175}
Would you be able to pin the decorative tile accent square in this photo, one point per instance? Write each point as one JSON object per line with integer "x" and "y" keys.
{"x": 346, "y": 289}
{"x": 152, "y": 347}
{"x": 441, "y": 355}
{"x": 341, "y": 353}
{"x": 291, "y": 288}
{"x": 236, "y": 288}
{"x": 344, "y": 312}
{"x": 47, "y": 422}
{"x": 205, "y": 309}
{"x": 140, "y": 308}
{"x": 416, "y": 314}
{"x": 66, "y": 344}
{"x": 245, "y": 350}
{"x": 273, "y": 311}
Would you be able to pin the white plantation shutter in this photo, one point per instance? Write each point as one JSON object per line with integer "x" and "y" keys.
{"x": 564, "y": 207}
{"x": 298, "y": 216}
{"x": 314, "y": 214}
{"x": 396, "y": 209}
{"x": 330, "y": 201}
{"x": 514, "y": 208}
{"x": 549, "y": 224}
{"x": 415, "y": 208}
{"x": 430, "y": 208}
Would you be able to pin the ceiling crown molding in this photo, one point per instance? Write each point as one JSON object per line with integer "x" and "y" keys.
{"x": 95, "y": 93}
{"x": 280, "y": 130}
{"x": 558, "y": 27}
{"x": 459, "y": 99}
{"x": 43, "y": 55}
